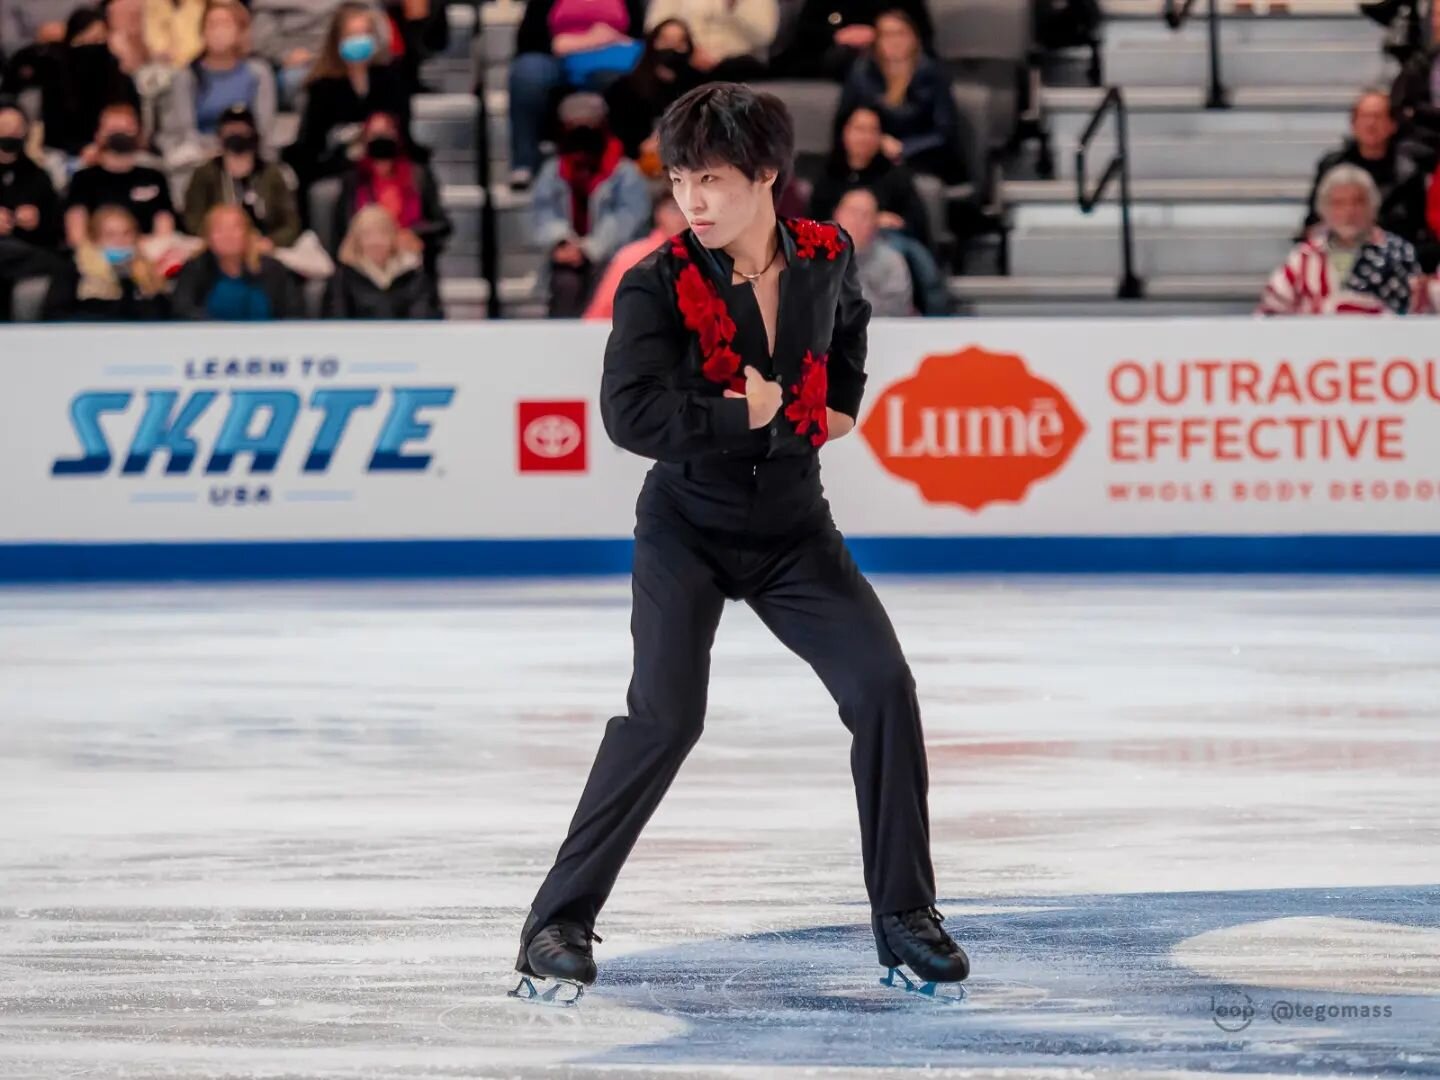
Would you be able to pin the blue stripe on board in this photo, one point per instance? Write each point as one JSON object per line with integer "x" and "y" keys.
{"x": 564, "y": 557}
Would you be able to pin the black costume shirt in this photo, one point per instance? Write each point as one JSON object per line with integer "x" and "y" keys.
{"x": 683, "y": 334}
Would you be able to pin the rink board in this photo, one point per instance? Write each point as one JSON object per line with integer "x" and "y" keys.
{"x": 392, "y": 449}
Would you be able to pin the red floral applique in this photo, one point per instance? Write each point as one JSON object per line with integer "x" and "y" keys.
{"x": 807, "y": 411}
{"x": 813, "y": 237}
{"x": 704, "y": 312}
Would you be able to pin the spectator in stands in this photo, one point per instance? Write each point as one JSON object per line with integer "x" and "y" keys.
{"x": 884, "y": 278}
{"x": 125, "y": 23}
{"x": 1346, "y": 265}
{"x": 1373, "y": 147}
{"x": 1415, "y": 100}
{"x": 589, "y": 202}
{"x": 583, "y": 44}
{"x": 30, "y": 227}
{"x": 232, "y": 280}
{"x": 32, "y": 22}
{"x": 240, "y": 176}
{"x": 224, "y": 75}
{"x": 422, "y": 29}
{"x": 108, "y": 280}
{"x": 663, "y": 74}
{"x": 669, "y": 220}
{"x": 857, "y": 161}
{"x": 911, "y": 94}
{"x": 731, "y": 37}
{"x": 386, "y": 175}
{"x": 77, "y": 78}
{"x": 352, "y": 80}
{"x": 173, "y": 31}
{"x": 291, "y": 34}
{"x": 831, "y": 35}
{"x": 380, "y": 276}
{"x": 116, "y": 179}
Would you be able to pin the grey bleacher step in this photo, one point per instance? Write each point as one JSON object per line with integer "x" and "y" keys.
{"x": 1108, "y": 307}
{"x": 1173, "y": 63}
{"x": 1205, "y": 156}
{"x": 1289, "y": 189}
{"x": 1146, "y": 10}
{"x": 1240, "y": 30}
{"x": 1157, "y": 251}
{"x": 1337, "y": 94}
{"x": 1067, "y": 120}
{"x": 1056, "y": 288}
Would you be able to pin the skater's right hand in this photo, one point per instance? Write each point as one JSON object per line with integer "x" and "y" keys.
{"x": 763, "y": 396}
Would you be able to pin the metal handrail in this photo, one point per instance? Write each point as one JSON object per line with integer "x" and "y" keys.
{"x": 1176, "y": 15}
{"x": 489, "y": 249}
{"x": 1130, "y": 286}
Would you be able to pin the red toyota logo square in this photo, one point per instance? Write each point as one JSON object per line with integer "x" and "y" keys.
{"x": 551, "y": 436}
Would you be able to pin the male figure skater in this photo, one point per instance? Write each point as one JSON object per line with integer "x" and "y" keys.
{"x": 738, "y": 350}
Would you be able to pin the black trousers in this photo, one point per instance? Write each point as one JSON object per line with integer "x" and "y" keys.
{"x": 762, "y": 533}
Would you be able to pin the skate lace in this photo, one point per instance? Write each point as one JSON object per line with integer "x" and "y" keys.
{"x": 578, "y": 934}
{"x": 925, "y": 922}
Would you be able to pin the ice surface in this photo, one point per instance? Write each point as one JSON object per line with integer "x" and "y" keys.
{"x": 292, "y": 831}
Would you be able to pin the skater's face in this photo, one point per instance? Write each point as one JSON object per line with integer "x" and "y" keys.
{"x": 720, "y": 201}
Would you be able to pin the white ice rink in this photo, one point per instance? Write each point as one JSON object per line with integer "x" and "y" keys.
{"x": 292, "y": 832}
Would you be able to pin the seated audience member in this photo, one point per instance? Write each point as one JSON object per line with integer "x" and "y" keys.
{"x": 831, "y": 35}
{"x": 352, "y": 80}
{"x": 108, "y": 279}
{"x": 663, "y": 74}
{"x": 173, "y": 32}
{"x": 30, "y": 224}
{"x": 385, "y": 175}
{"x": 581, "y": 44}
{"x": 1415, "y": 100}
{"x": 240, "y": 176}
{"x": 125, "y": 22}
{"x": 1373, "y": 147}
{"x": 31, "y": 22}
{"x": 222, "y": 77}
{"x": 77, "y": 78}
{"x": 379, "y": 276}
{"x": 732, "y": 38}
{"x": 857, "y": 161}
{"x": 911, "y": 94}
{"x": 884, "y": 278}
{"x": 589, "y": 202}
{"x": 231, "y": 280}
{"x": 116, "y": 179}
{"x": 1346, "y": 265}
{"x": 422, "y": 29}
{"x": 291, "y": 34}
{"x": 668, "y": 222}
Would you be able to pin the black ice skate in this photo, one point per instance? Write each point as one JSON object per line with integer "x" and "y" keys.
{"x": 555, "y": 963}
{"x": 916, "y": 940}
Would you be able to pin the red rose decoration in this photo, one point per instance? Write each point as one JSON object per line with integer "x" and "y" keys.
{"x": 704, "y": 312}
{"x": 808, "y": 409}
{"x": 721, "y": 365}
{"x": 812, "y": 237}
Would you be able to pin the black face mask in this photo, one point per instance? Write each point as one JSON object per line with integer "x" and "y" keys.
{"x": 583, "y": 140}
{"x": 122, "y": 142}
{"x": 240, "y": 144}
{"x": 383, "y": 148}
{"x": 674, "y": 59}
{"x": 11, "y": 144}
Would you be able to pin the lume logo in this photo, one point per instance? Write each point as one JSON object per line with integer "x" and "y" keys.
{"x": 256, "y": 426}
{"x": 972, "y": 428}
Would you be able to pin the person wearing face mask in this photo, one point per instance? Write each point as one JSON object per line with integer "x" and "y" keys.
{"x": 385, "y": 175}
{"x": 108, "y": 280}
{"x": 76, "y": 77}
{"x": 224, "y": 75}
{"x": 29, "y": 210}
{"x": 353, "y": 79}
{"x": 290, "y": 35}
{"x": 663, "y": 75}
{"x": 731, "y": 37}
{"x": 590, "y": 200}
{"x": 232, "y": 280}
{"x": 1347, "y": 265}
{"x": 116, "y": 179}
{"x": 240, "y": 176}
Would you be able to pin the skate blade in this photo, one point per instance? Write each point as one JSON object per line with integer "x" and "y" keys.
{"x": 536, "y": 990}
{"x": 900, "y": 979}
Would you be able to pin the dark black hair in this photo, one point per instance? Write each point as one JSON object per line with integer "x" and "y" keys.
{"x": 724, "y": 123}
